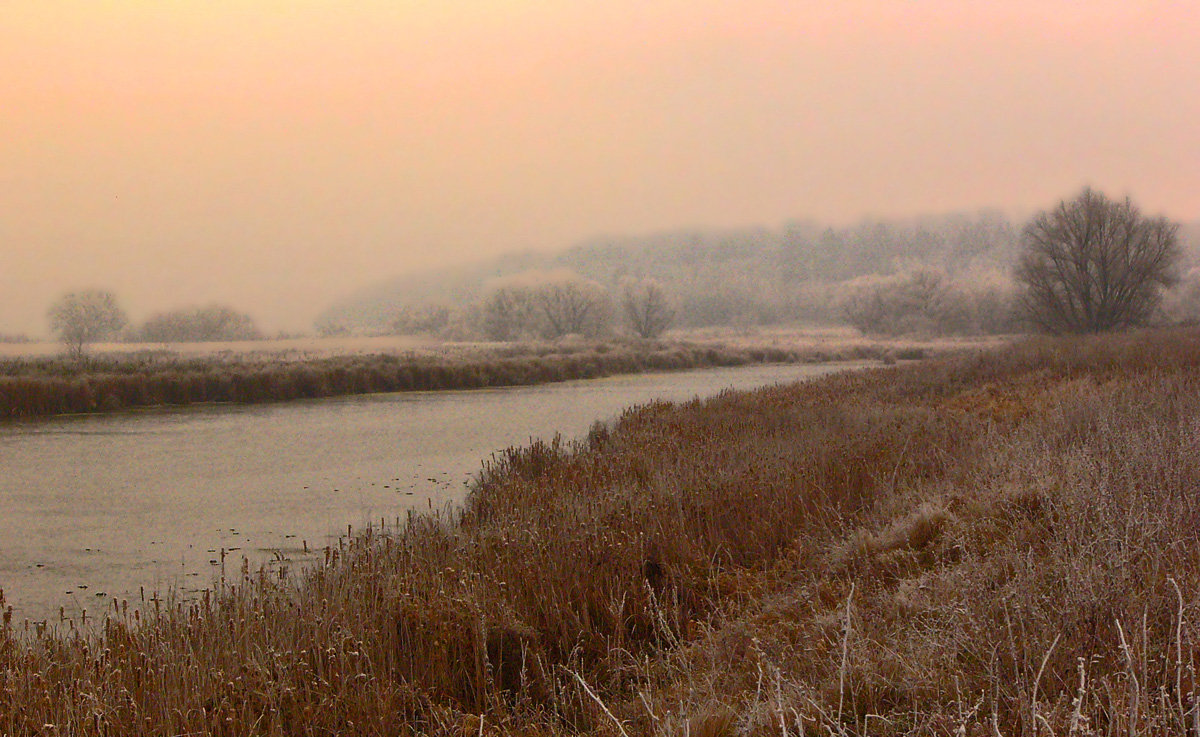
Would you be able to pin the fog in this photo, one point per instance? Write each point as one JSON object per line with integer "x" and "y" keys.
{"x": 277, "y": 157}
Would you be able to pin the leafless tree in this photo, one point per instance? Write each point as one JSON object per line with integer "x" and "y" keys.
{"x": 923, "y": 302}
{"x": 199, "y": 324}
{"x": 80, "y": 318}
{"x": 573, "y": 306}
{"x": 509, "y": 312}
{"x": 418, "y": 319}
{"x": 544, "y": 304}
{"x": 1093, "y": 264}
{"x": 647, "y": 310}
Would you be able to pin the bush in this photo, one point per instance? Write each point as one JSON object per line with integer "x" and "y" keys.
{"x": 926, "y": 303}
{"x": 198, "y": 325}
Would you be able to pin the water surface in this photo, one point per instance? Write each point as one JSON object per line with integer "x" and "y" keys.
{"x": 105, "y": 507}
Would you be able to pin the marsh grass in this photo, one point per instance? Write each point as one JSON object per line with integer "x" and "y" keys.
{"x": 41, "y": 386}
{"x": 997, "y": 544}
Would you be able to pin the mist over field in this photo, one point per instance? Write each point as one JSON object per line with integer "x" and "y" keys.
{"x": 934, "y": 275}
{"x": 278, "y": 159}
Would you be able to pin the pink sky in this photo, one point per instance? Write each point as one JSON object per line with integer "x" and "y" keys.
{"x": 274, "y": 155}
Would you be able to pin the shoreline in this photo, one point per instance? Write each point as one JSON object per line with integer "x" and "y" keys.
{"x": 809, "y": 555}
{"x": 824, "y": 543}
{"x": 36, "y": 388}
{"x": 357, "y": 459}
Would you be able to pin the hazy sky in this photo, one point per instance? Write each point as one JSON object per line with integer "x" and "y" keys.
{"x": 275, "y": 154}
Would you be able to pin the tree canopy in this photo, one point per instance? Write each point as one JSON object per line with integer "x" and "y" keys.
{"x": 81, "y": 318}
{"x": 647, "y": 310}
{"x": 214, "y": 323}
{"x": 1094, "y": 264}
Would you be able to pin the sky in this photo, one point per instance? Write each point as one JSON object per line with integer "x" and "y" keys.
{"x": 275, "y": 155}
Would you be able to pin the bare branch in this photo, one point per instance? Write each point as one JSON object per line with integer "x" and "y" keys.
{"x": 1093, "y": 264}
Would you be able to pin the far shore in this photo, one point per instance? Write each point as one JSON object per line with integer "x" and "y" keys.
{"x": 788, "y": 337}
{"x": 115, "y": 377}
{"x": 121, "y": 376}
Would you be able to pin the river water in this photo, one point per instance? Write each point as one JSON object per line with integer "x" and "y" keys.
{"x": 108, "y": 507}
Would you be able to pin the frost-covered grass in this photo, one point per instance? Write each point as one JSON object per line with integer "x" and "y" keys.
{"x": 1001, "y": 543}
{"x": 105, "y": 381}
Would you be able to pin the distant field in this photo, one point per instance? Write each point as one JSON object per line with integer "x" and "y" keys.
{"x": 289, "y": 346}
{"x": 791, "y": 338}
{"x": 834, "y": 339}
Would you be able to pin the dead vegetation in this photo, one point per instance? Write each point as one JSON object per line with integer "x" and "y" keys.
{"x": 41, "y": 386}
{"x": 997, "y": 544}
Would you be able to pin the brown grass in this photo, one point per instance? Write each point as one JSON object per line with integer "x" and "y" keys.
{"x": 996, "y": 544}
{"x": 41, "y": 386}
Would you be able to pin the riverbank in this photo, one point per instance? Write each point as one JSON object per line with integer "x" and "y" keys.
{"x": 39, "y": 386}
{"x": 971, "y": 545}
{"x": 165, "y": 490}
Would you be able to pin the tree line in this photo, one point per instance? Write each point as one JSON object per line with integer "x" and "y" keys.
{"x": 533, "y": 306}
{"x": 1090, "y": 264}
{"x": 554, "y": 305}
{"x": 80, "y": 318}
{"x": 944, "y": 275}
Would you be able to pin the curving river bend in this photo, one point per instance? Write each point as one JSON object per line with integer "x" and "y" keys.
{"x": 99, "y": 508}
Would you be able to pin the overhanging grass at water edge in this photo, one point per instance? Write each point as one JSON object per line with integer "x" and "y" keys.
{"x": 41, "y": 387}
{"x": 972, "y": 546}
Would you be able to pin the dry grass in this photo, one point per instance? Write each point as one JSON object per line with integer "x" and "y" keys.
{"x": 312, "y": 347}
{"x": 834, "y": 338}
{"x": 39, "y": 386}
{"x": 1002, "y": 544}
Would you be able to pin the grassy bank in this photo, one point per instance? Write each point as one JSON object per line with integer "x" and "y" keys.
{"x": 40, "y": 386}
{"x": 1006, "y": 543}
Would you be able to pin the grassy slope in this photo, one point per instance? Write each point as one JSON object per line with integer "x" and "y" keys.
{"x": 976, "y": 545}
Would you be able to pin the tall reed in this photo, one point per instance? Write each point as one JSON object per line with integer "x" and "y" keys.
{"x": 1003, "y": 544}
{"x": 41, "y": 387}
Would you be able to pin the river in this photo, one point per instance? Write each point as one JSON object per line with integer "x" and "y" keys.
{"x": 100, "y": 508}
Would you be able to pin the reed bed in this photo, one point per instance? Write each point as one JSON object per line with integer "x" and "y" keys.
{"x": 999, "y": 544}
{"x": 35, "y": 387}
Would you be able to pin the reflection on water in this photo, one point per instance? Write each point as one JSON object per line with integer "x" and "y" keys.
{"x": 99, "y": 508}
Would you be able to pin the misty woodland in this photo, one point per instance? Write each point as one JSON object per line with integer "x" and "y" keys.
{"x": 952, "y": 275}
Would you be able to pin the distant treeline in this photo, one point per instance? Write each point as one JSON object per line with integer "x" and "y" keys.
{"x": 49, "y": 386}
{"x": 213, "y": 323}
{"x": 802, "y": 273}
{"x": 945, "y": 275}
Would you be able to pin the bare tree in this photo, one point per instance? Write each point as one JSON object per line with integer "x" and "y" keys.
{"x": 199, "y": 324}
{"x": 427, "y": 318}
{"x": 80, "y": 318}
{"x": 508, "y": 312}
{"x": 1093, "y": 264}
{"x": 573, "y": 306}
{"x": 923, "y": 302}
{"x": 647, "y": 310}
{"x": 544, "y": 304}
